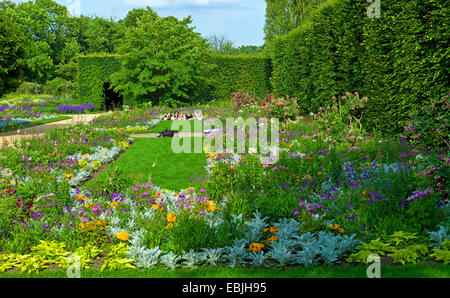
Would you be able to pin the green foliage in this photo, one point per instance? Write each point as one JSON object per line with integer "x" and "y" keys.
{"x": 163, "y": 61}
{"x": 401, "y": 237}
{"x": 117, "y": 259}
{"x": 374, "y": 247}
{"x": 282, "y": 16}
{"x": 428, "y": 126}
{"x": 410, "y": 254}
{"x": 398, "y": 61}
{"x": 220, "y": 44}
{"x": 234, "y": 73}
{"x": 11, "y": 55}
{"x": 93, "y": 72}
{"x": 190, "y": 233}
{"x": 444, "y": 253}
{"x": 52, "y": 252}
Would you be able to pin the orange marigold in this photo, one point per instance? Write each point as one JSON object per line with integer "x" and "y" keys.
{"x": 123, "y": 236}
{"x": 171, "y": 217}
{"x": 211, "y": 207}
{"x": 256, "y": 247}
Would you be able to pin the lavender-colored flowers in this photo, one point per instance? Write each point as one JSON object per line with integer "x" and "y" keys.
{"x": 75, "y": 109}
{"x": 418, "y": 193}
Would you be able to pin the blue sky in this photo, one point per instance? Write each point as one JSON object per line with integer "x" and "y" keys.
{"x": 241, "y": 21}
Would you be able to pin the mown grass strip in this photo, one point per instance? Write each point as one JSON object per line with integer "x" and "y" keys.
{"x": 155, "y": 158}
{"x": 332, "y": 271}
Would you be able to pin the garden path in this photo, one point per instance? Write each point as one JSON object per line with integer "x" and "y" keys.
{"x": 39, "y": 131}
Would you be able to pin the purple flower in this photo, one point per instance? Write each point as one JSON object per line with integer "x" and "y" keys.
{"x": 418, "y": 193}
{"x": 295, "y": 212}
{"x": 310, "y": 207}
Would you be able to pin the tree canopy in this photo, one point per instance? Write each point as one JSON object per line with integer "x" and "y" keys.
{"x": 164, "y": 60}
{"x": 11, "y": 54}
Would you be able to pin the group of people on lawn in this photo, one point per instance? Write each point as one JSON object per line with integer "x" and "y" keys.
{"x": 181, "y": 116}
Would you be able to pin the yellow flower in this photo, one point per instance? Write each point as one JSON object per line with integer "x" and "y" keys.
{"x": 88, "y": 205}
{"x": 256, "y": 247}
{"x": 169, "y": 226}
{"x": 265, "y": 230}
{"x": 123, "y": 236}
{"x": 341, "y": 230}
{"x": 331, "y": 227}
{"x": 114, "y": 204}
{"x": 171, "y": 217}
{"x": 364, "y": 192}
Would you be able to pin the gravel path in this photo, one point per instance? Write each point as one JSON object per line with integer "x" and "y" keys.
{"x": 39, "y": 131}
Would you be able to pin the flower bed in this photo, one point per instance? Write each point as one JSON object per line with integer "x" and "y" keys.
{"x": 336, "y": 195}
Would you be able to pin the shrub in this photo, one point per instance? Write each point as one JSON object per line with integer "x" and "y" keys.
{"x": 428, "y": 127}
{"x": 397, "y": 60}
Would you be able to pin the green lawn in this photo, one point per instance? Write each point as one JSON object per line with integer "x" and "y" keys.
{"x": 33, "y": 124}
{"x": 168, "y": 124}
{"x": 155, "y": 158}
{"x": 336, "y": 271}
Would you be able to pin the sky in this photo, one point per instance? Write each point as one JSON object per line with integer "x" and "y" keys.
{"x": 241, "y": 21}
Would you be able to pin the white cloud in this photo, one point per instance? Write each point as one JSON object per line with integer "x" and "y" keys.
{"x": 183, "y": 3}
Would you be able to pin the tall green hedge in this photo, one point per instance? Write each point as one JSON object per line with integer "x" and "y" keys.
{"x": 93, "y": 72}
{"x": 233, "y": 73}
{"x": 400, "y": 60}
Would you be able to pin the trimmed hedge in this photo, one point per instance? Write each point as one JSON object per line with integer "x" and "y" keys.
{"x": 400, "y": 60}
{"x": 93, "y": 72}
{"x": 233, "y": 73}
